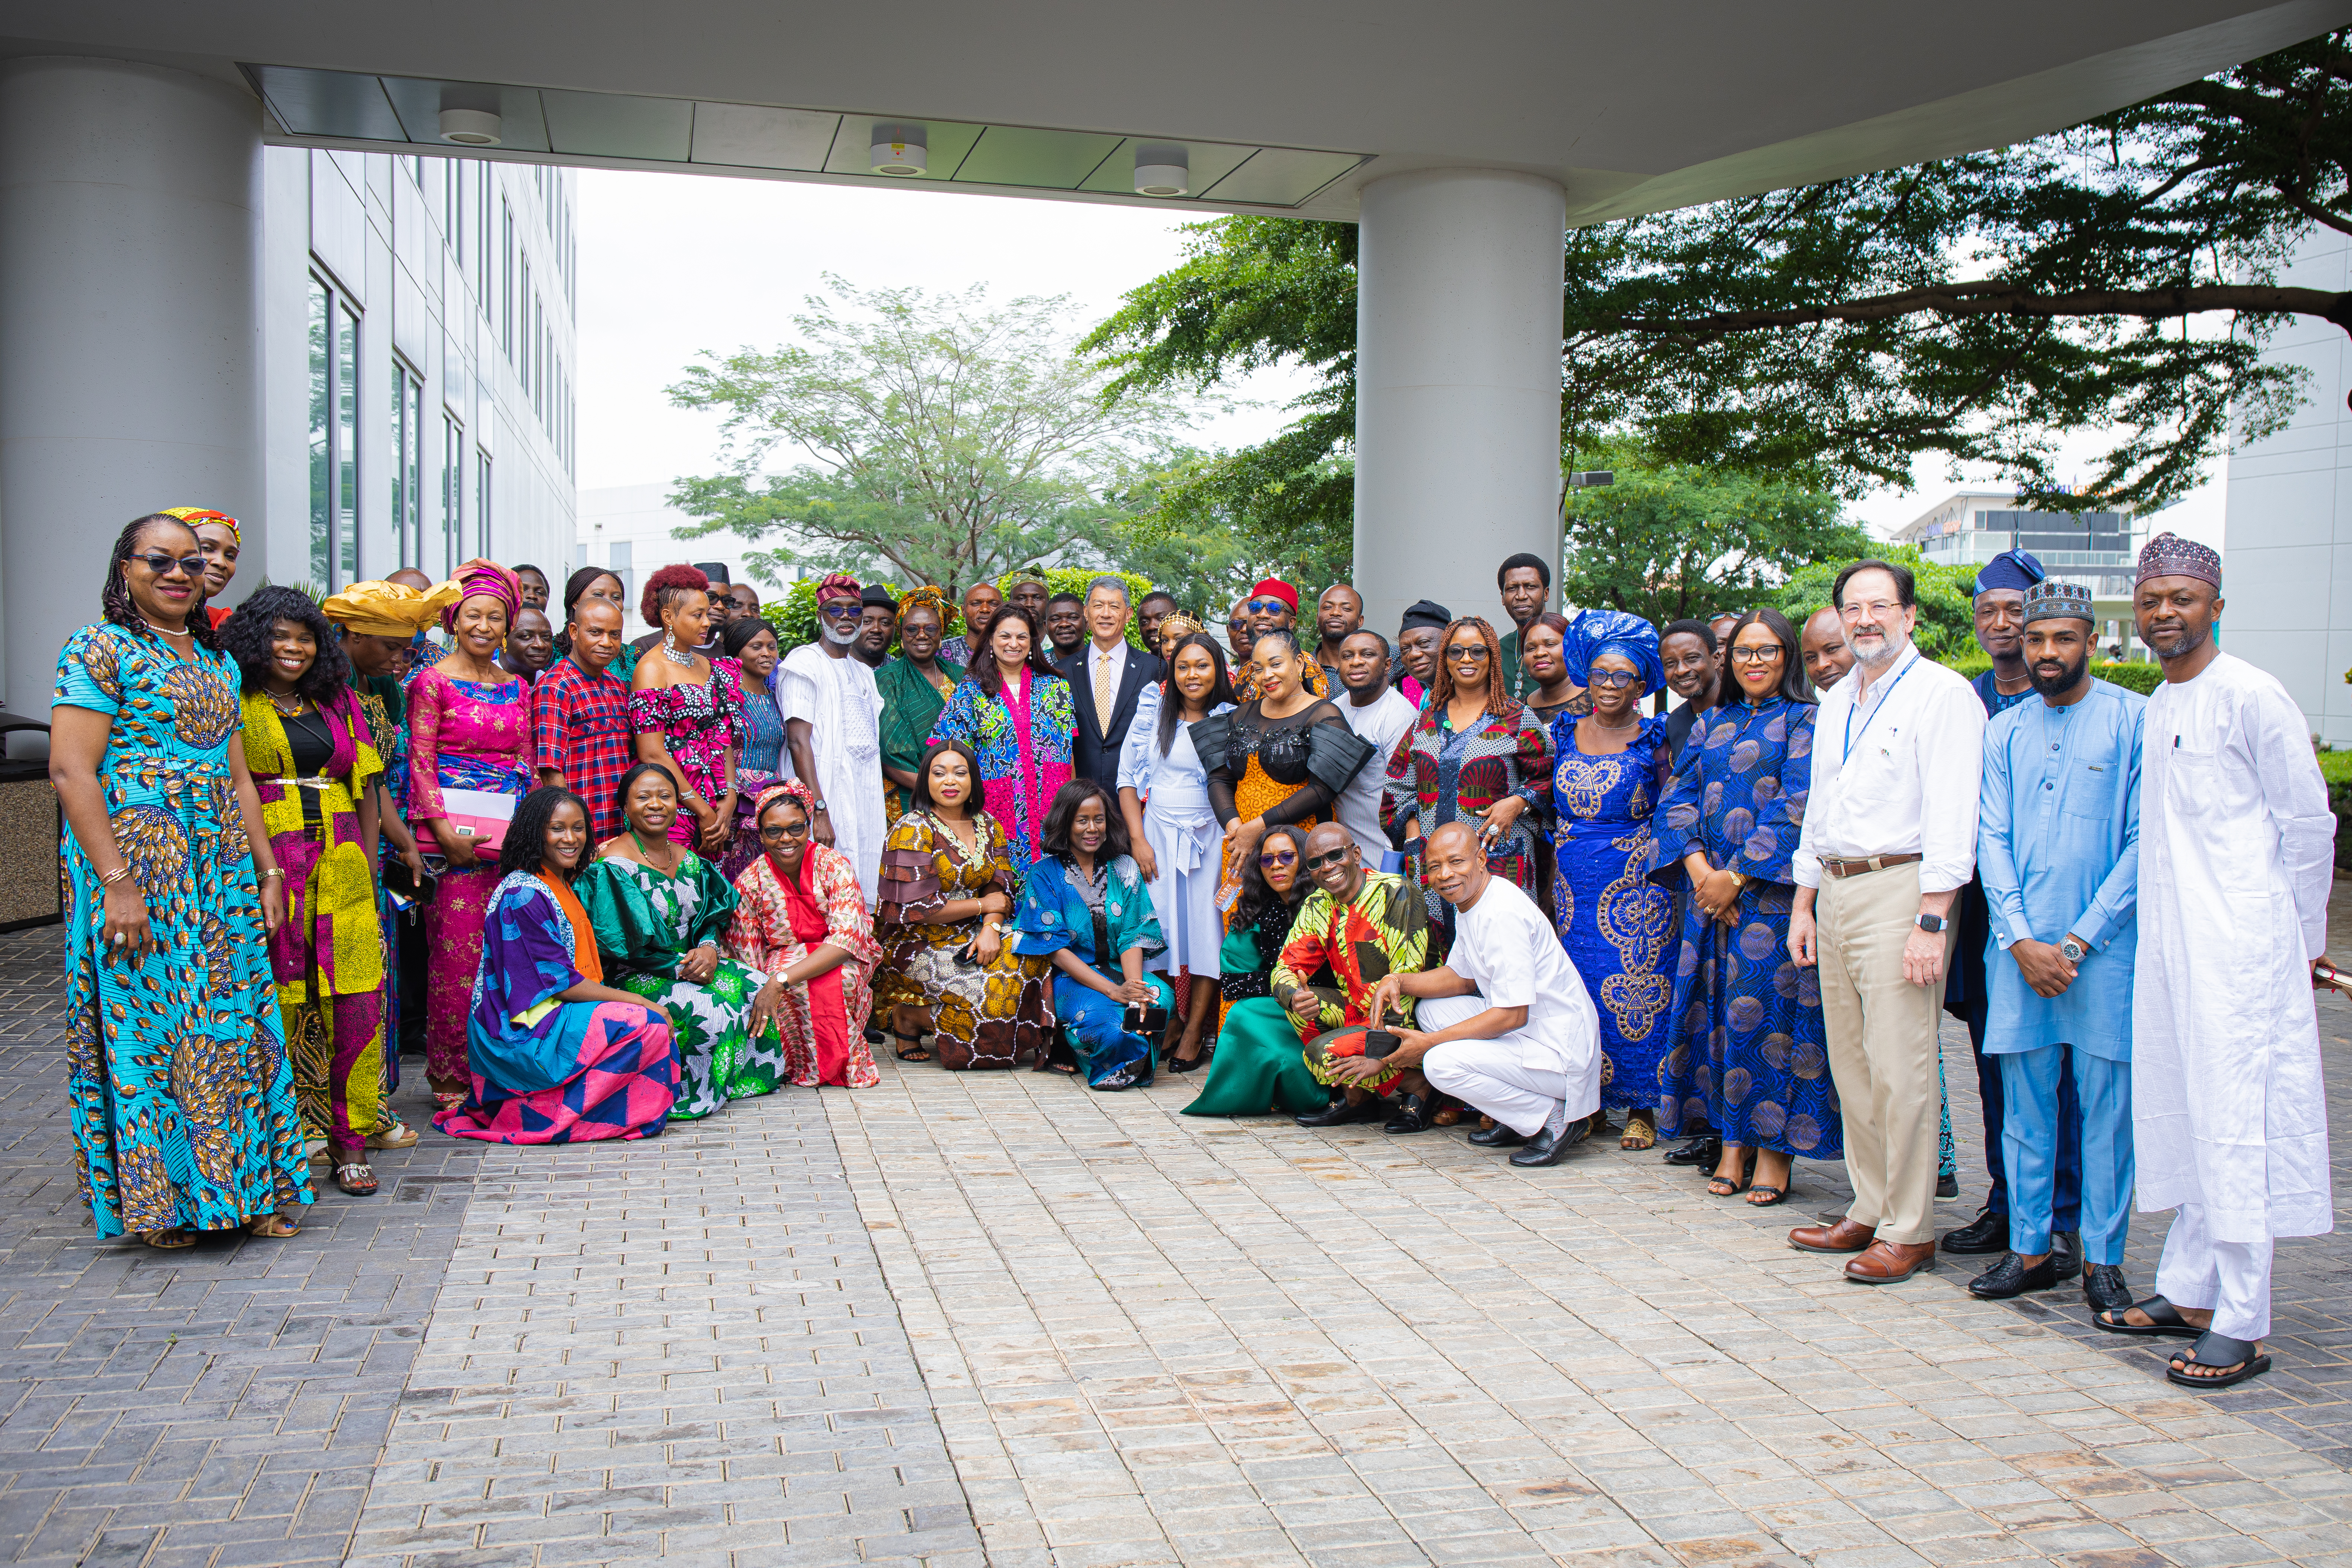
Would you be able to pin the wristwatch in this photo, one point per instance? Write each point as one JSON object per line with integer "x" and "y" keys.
{"x": 1931, "y": 925}
{"x": 816, "y": 806}
{"x": 2071, "y": 949}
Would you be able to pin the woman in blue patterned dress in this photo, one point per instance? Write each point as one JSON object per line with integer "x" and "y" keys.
{"x": 183, "y": 1097}
{"x": 1747, "y": 1054}
{"x": 752, "y": 644}
{"x": 1014, "y": 710}
{"x": 1608, "y": 769}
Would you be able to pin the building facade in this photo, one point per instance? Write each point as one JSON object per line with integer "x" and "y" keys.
{"x": 2096, "y": 549}
{"x": 418, "y": 332}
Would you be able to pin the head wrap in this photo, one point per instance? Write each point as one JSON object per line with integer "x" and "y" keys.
{"x": 192, "y": 515}
{"x": 878, "y": 596}
{"x": 482, "y": 579}
{"x": 1425, "y": 613}
{"x": 388, "y": 610}
{"x": 784, "y": 789}
{"x": 2012, "y": 569}
{"x": 1276, "y": 588}
{"x": 925, "y": 596}
{"x": 837, "y": 585}
{"x": 2050, "y": 599}
{"x": 2170, "y": 555}
{"x": 1597, "y": 632}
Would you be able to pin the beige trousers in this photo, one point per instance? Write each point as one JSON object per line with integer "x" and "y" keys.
{"x": 1883, "y": 1049}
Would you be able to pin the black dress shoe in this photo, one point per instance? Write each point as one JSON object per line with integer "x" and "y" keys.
{"x": 1948, "y": 1187}
{"x": 2066, "y": 1253}
{"x": 1988, "y": 1233}
{"x": 2012, "y": 1276}
{"x": 1545, "y": 1149}
{"x": 1706, "y": 1152}
{"x": 1498, "y": 1136}
{"x": 1412, "y": 1114}
{"x": 2104, "y": 1289}
{"x": 1338, "y": 1113}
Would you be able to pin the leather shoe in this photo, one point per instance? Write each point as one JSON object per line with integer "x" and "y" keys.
{"x": 1989, "y": 1232}
{"x": 2066, "y": 1253}
{"x": 1545, "y": 1148}
{"x": 2103, "y": 1289}
{"x": 1889, "y": 1261}
{"x": 1706, "y": 1152}
{"x": 1845, "y": 1235}
{"x": 1411, "y": 1115}
{"x": 1498, "y": 1136}
{"x": 1338, "y": 1113}
{"x": 1948, "y": 1187}
{"x": 2012, "y": 1276}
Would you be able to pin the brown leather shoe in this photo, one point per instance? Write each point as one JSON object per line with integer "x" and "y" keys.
{"x": 1845, "y": 1235}
{"x": 1888, "y": 1261}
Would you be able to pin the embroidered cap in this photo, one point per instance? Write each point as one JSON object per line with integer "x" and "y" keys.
{"x": 2170, "y": 555}
{"x": 2050, "y": 599}
{"x": 2010, "y": 569}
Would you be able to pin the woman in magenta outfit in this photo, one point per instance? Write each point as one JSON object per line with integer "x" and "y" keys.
{"x": 1014, "y": 710}
{"x": 687, "y": 710}
{"x": 469, "y": 728}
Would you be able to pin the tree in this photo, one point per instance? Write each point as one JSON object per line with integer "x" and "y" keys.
{"x": 1672, "y": 543}
{"x": 947, "y": 443}
{"x": 1973, "y": 307}
{"x": 1946, "y": 630}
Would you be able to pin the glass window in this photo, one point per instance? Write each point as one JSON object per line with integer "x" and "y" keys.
{"x": 407, "y": 463}
{"x": 522, "y": 310}
{"x": 482, "y": 181}
{"x": 482, "y": 506}
{"x": 322, "y": 432}
{"x": 334, "y": 344}
{"x": 453, "y": 208}
{"x": 453, "y": 495}
{"x": 347, "y": 442}
{"x": 506, "y": 282}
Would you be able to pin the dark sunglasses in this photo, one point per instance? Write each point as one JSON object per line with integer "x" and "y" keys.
{"x": 784, "y": 830}
{"x": 1471, "y": 651}
{"x": 1285, "y": 857}
{"x": 1266, "y": 606}
{"x": 160, "y": 564}
{"x": 1611, "y": 679}
{"x": 1329, "y": 857}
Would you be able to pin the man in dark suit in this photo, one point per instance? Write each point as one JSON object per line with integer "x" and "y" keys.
{"x": 1105, "y": 676}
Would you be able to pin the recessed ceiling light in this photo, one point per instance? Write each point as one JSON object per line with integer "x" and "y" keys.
{"x": 470, "y": 127}
{"x": 1161, "y": 169}
{"x": 899, "y": 150}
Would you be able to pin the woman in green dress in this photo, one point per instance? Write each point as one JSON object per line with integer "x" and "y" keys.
{"x": 915, "y": 687}
{"x": 659, "y": 910}
{"x": 1258, "y": 1067}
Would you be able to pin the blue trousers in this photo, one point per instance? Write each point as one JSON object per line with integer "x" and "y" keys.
{"x": 1992, "y": 1095}
{"x": 2034, "y": 1102}
{"x": 1096, "y": 1027}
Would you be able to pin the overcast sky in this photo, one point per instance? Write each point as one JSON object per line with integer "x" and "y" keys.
{"x": 674, "y": 264}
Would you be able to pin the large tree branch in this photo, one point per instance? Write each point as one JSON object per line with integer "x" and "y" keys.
{"x": 2006, "y": 300}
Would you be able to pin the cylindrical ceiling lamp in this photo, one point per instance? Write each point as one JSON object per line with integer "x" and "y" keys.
{"x": 470, "y": 127}
{"x": 1161, "y": 169}
{"x": 899, "y": 150}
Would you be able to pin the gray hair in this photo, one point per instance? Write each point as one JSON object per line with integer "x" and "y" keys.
{"x": 1117, "y": 585}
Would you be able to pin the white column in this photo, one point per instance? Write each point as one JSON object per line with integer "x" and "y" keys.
{"x": 1457, "y": 387}
{"x": 129, "y": 200}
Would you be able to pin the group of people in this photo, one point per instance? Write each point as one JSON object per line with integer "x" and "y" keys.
{"x": 1448, "y": 878}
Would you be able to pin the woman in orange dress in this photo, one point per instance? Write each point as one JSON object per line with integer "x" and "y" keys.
{"x": 1279, "y": 760}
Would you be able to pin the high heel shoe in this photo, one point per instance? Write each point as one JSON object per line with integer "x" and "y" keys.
{"x": 1722, "y": 1186}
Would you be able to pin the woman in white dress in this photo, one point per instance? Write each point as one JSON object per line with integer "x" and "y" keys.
{"x": 1163, "y": 792}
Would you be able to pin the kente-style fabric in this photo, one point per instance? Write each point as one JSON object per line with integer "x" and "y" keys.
{"x": 1384, "y": 931}
{"x": 910, "y": 708}
{"x": 192, "y": 515}
{"x": 1099, "y": 923}
{"x": 700, "y": 724}
{"x": 328, "y": 958}
{"x": 1617, "y": 928}
{"x": 549, "y": 1071}
{"x": 646, "y": 920}
{"x": 382, "y": 703}
{"x": 981, "y": 1017}
{"x": 837, "y": 585}
{"x": 462, "y": 735}
{"x": 1440, "y": 776}
{"x": 1023, "y": 741}
{"x": 183, "y": 1112}
{"x": 2053, "y": 600}
{"x": 1747, "y": 1054}
{"x": 2013, "y": 570}
{"x": 777, "y": 924}
{"x": 579, "y": 727}
{"x": 2170, "y": 555}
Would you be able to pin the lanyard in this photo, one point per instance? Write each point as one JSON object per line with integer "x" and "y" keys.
{"x": 1885, "y": 697}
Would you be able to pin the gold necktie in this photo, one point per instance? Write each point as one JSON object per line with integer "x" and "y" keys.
{"x": 1102, "y": 693}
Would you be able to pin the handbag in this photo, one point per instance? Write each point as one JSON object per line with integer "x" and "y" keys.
{"x": 479, "y": 815}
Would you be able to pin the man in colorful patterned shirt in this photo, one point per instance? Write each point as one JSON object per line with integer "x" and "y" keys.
{"x": 580, "y": 717}
{"x": 1367, "y": 925}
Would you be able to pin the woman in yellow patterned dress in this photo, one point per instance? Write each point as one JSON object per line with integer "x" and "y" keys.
{"x": 949, "y": 879}
{"x": 183, "y": 1115}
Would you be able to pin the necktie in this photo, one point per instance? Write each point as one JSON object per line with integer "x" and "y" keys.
{"x": 1102, "y": 693}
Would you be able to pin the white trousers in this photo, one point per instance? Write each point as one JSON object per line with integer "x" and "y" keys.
{"x": 2233, "y": 1278}
{"x": 1493, "y": 1075}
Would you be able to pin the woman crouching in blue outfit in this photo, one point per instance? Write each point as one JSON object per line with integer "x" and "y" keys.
{"x": 1088, "y": 907}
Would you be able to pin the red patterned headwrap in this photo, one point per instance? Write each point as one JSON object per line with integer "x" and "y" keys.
{"x": 483, "y": 579}
{"x": 837, "y": 585}
{"x": 192, "y": 515}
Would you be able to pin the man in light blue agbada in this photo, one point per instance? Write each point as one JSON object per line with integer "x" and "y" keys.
{"x": 2058, "y": 844}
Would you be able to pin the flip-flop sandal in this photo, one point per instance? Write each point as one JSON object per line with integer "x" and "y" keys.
{"x": 271, "y": 1227}
{"x": 2218, "y": 1350}
{"x": 172, "y": 1238}
{"x": 2164, "y": 1321}
{"x": 356, "y": 1180}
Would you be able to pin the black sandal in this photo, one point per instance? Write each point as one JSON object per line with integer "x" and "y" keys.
{"x": 2163, "y": 1320}
{"x": 910, "y": 1048}
{"x": 2226, "y": 1352}
{"x": 1721, "y": 1186}
{"x": 1765, "y": 1197}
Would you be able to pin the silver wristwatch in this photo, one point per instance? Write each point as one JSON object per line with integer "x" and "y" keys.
{"x": 2071, "y": 949}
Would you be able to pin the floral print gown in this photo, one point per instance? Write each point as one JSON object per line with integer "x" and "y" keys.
{"x": 778, "y": 924}
{"x": 183, "y": 1097}
{"x": 981, "y": 1017}
{"x": 1023, "y": 741}
{"x": 1615, "y": 924}
{"x": 700, "y": 724}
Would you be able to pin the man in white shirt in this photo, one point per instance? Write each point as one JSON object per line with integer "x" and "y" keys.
{"x": 1505, "y": 1023}
{"x": 1889, "y": 840}
{"x": 1105, "y": 676}
{"x": 1379, "y": 715}
{"x": 833, "y": 718}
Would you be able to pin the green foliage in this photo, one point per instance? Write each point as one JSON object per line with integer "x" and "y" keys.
{"x": 794, "y": 612}
{"x": 2140, "y": 676}
{"x": 1669, "y": 542}
{"x": 2335, "y": 767}
{"x": 1946, "y": 631}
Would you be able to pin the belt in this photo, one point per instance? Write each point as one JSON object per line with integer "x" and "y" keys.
{"x": 1837, "y": 867}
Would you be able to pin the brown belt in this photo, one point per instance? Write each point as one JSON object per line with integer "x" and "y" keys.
{"x": 1837, "y": 867}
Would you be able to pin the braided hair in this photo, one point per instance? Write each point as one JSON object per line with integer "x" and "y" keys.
{"x": 115, "y": 605}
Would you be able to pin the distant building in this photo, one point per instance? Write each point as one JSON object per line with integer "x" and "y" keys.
{"x": 2096, "y": 549}
{"x": 631, "y": 530}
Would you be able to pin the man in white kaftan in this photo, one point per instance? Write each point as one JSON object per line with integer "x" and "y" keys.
{"x": 833, "y": 732}
{"x": 2228, "y": 1109}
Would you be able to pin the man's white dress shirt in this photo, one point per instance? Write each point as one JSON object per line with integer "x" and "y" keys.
{"x": 1897, "y": 773}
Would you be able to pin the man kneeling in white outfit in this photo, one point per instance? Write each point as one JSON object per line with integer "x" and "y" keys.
{"x": 1505, "y": 1025}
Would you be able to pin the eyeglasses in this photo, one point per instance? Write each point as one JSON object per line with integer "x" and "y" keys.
{"x": 160, "y": 564}
{"x": 783, "y": 830}
{"x": 840, "y": 607}
{"x": 1285, "y": 857}
{"x": 1265, "y": 607}
{"x": 1878, "y": 609}
{"x": 1611, "y": 679}
{"x": 1329, "y": 857}
{"x": 1765, "y": 654}
{"x": 1471, "y": 651}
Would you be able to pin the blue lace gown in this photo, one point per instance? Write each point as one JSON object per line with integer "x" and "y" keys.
{"x": 1614, "y": 923}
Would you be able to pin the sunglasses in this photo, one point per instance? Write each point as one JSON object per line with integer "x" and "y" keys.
{"x": 1265, "y": 607}
{"x": 1765, "y": 654}
{"x": 781, "y": 830}
{"x": 1471, "y": 651}
{"x": 1611, "y": 679}
{"x": 1329, "y": 857}
{"x": 160, "y": 564}
{"x": 1284, "y": 857}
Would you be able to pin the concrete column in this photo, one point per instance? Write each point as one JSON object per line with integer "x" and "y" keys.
{"x": 1457, "y": 387}
{"x": 129, "y": 365}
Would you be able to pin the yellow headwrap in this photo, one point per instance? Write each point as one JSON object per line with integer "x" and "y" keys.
{"x": 389, "y": 609}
